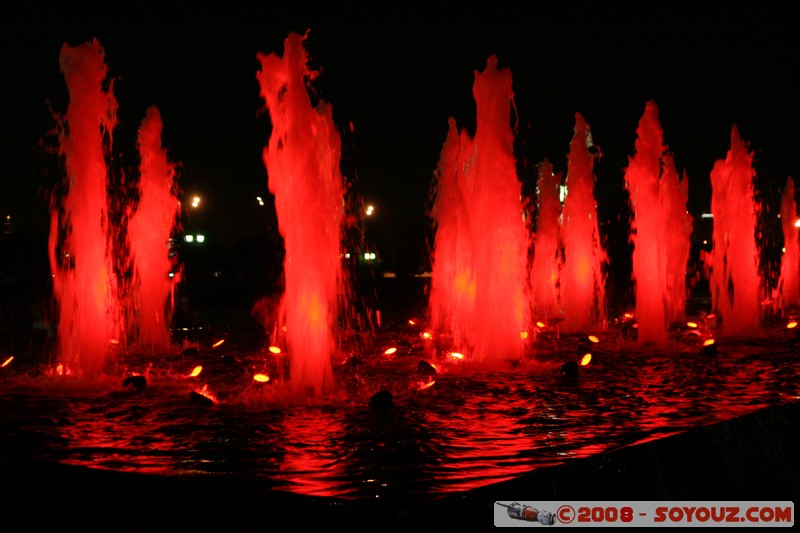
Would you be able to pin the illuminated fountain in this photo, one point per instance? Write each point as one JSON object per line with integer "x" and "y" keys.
{"x": 81, "y": 248}
{"x": 544, "y": 279}
{"x": 101, "y": 309}
{"x": 789, "y": 285}
{"x": 582, "y": 279}
{"x": 660, "y": 231}
{"x": 734, "y": 282}
{"x": 482, "y": 247}
{"x": 302, "y": 161}
{"x": 674, "y": 196}
{"x": 442, "y": 431}
{"x": 150, "y": 230}
{"x": 451, "y": 306}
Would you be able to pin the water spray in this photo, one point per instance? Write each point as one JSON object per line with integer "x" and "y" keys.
{"x": 528, "y": 513}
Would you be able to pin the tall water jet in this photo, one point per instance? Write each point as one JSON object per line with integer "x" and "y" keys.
{"x": 80, "y": 253}
{"x": 642, "y": 180}
{"x": 734, "y": 283}
{"x": 481, "y": 241}
{"x": 501, "y": 238}
{"x": 302, "y": 162}
{"x": 660, "y": 231}
{"x": 677, "y": 238}
{"x": 544, "y": 276}
{"x": 150, "y": 230}
{"x": 582, "y": 278}
{"x": 789, "y": 284}
{"x": 451, "y": 306}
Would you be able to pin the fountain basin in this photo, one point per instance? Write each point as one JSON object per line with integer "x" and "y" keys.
{"x": 637, "y": 423}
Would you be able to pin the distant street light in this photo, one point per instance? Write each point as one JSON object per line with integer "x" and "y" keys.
{"x": 370, "y": 210}
{"x": 195, "y": 201}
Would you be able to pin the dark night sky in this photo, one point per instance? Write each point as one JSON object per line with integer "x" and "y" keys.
{"x": 397, "y": 74}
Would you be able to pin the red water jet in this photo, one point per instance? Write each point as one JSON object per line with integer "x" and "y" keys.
{"x": 302, "y": 161}
{"x": 789, "y": 284}
{"x": 582, "y": 277}
{"x": 451, "y": 304}
{"x": 660, "y": 231}
{"x": 544, "y": 276}
{"x": 482, "y": 247}
{"x": 150, "y": 231}
{"x": 674, "y": 196}
{"x": 642, "y": 179}
{"x": 735, "y": 283}
{"x": 80, "y": 248}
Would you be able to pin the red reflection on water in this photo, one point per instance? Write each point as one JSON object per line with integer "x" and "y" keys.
{"x": 480, "y": 254}
{"x": 306, "y": 467}
{"x": 660, "y": 231}
{"x": 302, "y": 160}
{"x": 735, "y": 284}
{"x": 80, "y": 245}
{"x": 582, "y": 278}
{"x": 150, "y": 230}
{"x": 452, "y": 431}
{"x": 790, "y": 261}
{"x": 483, "y": 450}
